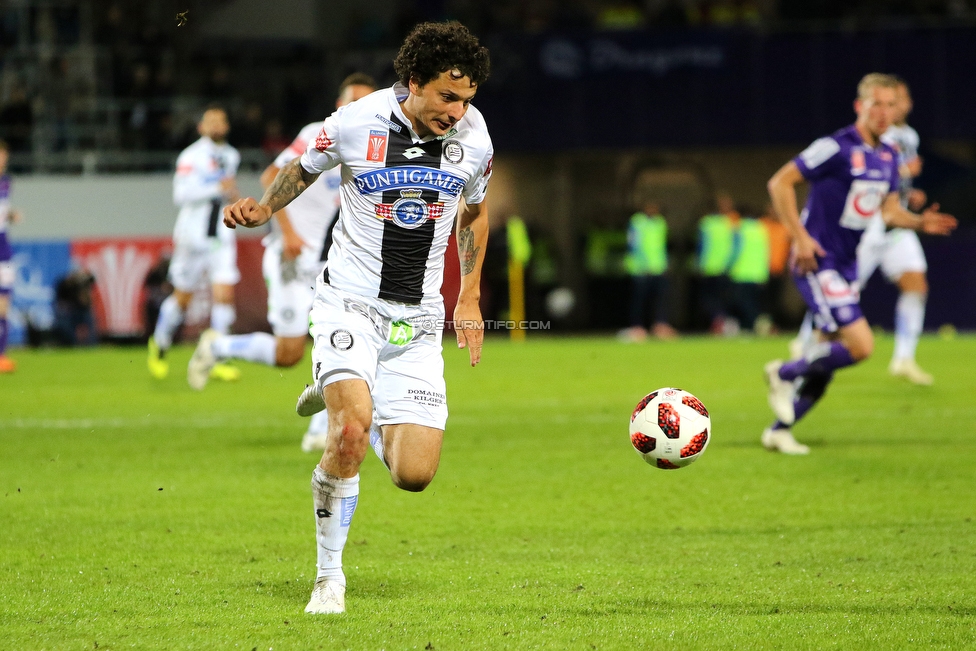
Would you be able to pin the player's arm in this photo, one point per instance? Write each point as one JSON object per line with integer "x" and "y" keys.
{"x": 782, "y": 192}
{"x": 930, "y": 221}
{"x": 292, "y": 242}
{"x": 472, "y": 241}
{"x": 290, "y": 182}
{"x": 911, "y": 167}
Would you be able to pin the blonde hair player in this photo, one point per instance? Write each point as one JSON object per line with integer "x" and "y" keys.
{"x": 853, "y": 177}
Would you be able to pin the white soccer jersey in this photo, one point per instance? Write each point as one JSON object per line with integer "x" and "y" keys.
{"x": 905, "y": 140}
{"x": 196, "y": 190}
{"x": 311, "y": 214}
{"x": 399, "y": 195}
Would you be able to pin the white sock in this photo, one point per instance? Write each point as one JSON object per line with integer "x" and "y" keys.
{"x": 319, "y": 423}
{"x": 376, "y": 440}
{"x": 170, "y": 318}
{"x": 335, "y": 500}
{"x": 909, "y": 322}
{"x": 805, "y": 335}
{"x": 259, "y": 347}
{"x": 222, "y": 317}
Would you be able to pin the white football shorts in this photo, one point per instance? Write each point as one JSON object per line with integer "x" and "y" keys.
{"x": 394, "y": 347}
{"x": 291, "y": 288}
{"x": 192, "y": 266}
{"x": 896, "y": 251}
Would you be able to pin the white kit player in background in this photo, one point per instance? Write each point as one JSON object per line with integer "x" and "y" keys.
{"x": 897, "y": 251}
{"x": 203, "y": 247}
{"x": 415, "y": 159}
{"x": 294, "y": 255}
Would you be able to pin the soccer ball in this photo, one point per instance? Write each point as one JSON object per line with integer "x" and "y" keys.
{"x": 670, "y": 428}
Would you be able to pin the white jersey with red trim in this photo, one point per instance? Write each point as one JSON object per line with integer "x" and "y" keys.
{"x": 399, "y": 195}
{"x": 196, "y": 190}
{"x": 311, "y": 214}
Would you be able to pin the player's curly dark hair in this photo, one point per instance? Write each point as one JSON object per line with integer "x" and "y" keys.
{"x": 433, "y": 48}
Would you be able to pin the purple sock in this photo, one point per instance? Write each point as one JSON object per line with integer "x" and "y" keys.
{"x": 801, "y": 405}
{"x": 827, "y": 358}
{"x": 3, "y": 335}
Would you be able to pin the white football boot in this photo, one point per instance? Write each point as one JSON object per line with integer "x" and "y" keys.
{"x": 328, "y": 598}
{"x": 780, "y": 393}
{"x": 781, "y": 440}
{"x": 911, "y": 371}
{"x": 311, "y": 401}
{"x": 203, "y": 360}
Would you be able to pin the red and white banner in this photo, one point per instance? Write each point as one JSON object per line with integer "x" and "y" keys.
{"x": 120, "y": 268}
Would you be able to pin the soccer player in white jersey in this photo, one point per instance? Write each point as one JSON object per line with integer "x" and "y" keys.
{"x": 294, "y": 255}
{"x": 415, "y": 158}
{"x": 203, "y": 246}
{"x": 898, "y": 251}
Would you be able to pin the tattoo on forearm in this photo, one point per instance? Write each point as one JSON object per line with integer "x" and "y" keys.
{"x": 290, "y": 182}
{"x": 468, "y": 251}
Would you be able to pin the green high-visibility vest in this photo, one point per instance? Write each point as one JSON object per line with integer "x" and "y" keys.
{"x": 519, "y": 245}
{"x": 605, "y": 253}
{"x": 751, "y": 264}
{"x": 647, "y": 240}
{"x": 715, "y": 253}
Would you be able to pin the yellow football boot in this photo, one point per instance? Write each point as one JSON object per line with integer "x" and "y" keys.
{"x": 158, "y": 367}
{"x": 225, "y": 372}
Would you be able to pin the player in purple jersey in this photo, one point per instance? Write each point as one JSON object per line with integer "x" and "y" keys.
{"x": 7, "y": 216}
{"x": 853, "y": 177}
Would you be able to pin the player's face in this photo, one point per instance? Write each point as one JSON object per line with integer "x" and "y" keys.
{"x": 353, "y": 92}
{"x": 877, "y": 112}
{"x": 442, "y": 102}
{"x": 214, "y": 125}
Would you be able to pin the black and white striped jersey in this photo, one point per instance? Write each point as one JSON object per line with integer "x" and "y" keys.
{"x": 196, "y": 190}
{"x": 399, "y": 195}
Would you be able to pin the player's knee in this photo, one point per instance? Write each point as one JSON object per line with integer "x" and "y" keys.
{"x": 413, "y": 481}
{"x": 287, "y": 357}
{"x": 354, "y": 430}
{"x": 861, "y": 349}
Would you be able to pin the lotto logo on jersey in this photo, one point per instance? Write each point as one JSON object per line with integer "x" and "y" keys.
{"x": 376, "y": 149}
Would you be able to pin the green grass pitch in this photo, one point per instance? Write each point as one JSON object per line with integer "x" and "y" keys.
{"x": 140, "y": 514}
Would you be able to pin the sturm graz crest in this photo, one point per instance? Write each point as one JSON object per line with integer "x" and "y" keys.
{"x": 453, "y": 151}
{"x": 410, "y": 211}
{"x": 341, "y": 340}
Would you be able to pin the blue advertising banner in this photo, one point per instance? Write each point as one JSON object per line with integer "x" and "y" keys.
{"x": 38, "y": 267}
{"x": 559, "y": 91}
